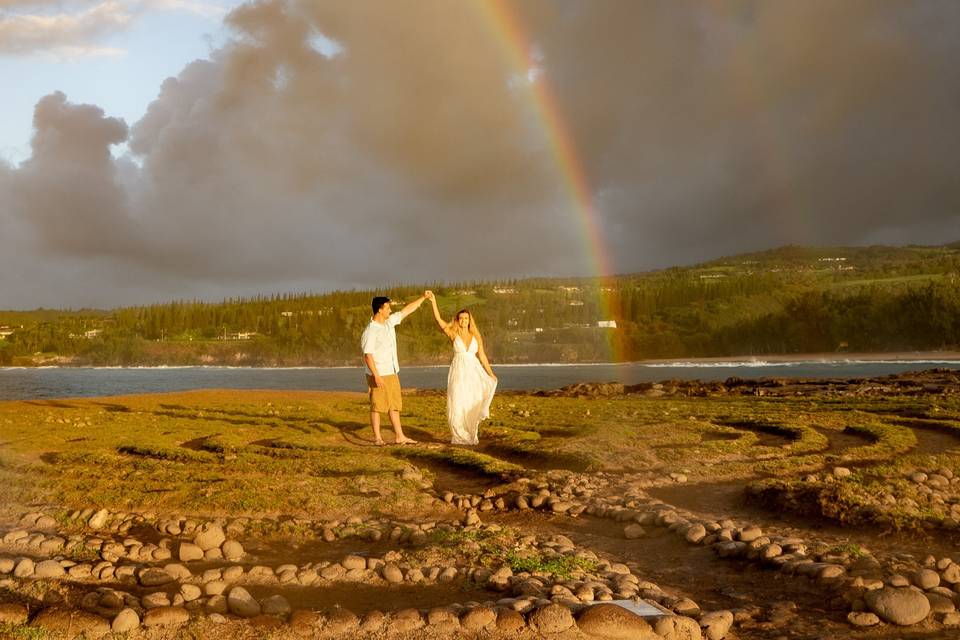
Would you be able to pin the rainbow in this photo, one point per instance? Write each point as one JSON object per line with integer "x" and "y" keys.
{"x": 513, "y": 41}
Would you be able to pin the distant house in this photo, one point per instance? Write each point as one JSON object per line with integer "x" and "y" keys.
{"x": 5, "y": 331}
{"x": 464, "y": 292}
{"x": 568, "y": 289}
{"x": 504, "y": 290}
{"x": 539, "y": 329}
{"x": 240, "y": 335}
{"x": 575, "y": 303}
{"x": 286, "y": 314}
{"x": 607, "y": 324}
{"x": 92, "y": 333}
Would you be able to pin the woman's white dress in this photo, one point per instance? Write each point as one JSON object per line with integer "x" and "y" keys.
{"x": 469, "y": 393}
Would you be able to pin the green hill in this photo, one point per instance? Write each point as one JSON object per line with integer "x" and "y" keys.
{"x": 786, "y": 300}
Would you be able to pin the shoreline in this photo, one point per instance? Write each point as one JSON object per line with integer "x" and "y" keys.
{"x": 920, "y": 357}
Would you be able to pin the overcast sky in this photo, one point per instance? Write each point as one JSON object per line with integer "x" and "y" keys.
{"x": 163, "y": 149}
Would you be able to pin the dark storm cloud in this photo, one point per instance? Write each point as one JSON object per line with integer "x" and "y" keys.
{"x": 410, "y": 150}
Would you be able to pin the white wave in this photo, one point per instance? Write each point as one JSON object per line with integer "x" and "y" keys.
{"x": 791, "y": 363}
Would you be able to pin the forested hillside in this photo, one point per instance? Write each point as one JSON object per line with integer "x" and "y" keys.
{"x": 787, "y": 300}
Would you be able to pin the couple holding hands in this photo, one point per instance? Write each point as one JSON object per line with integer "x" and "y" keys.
{"x": 471, "y": 382}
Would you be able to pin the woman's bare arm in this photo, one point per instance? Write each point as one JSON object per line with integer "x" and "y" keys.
{"x": 483, "y": 357}
{"x": 444, "y": 326}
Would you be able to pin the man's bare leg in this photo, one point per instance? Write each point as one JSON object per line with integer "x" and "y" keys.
{"x": 395, "y": 421}
{"x": 375, "y": 423}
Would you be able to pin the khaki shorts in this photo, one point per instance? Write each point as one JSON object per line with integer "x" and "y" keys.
{"x": 386, "y": 397}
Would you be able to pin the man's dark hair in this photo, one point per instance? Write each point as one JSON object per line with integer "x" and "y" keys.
{"x": 378, "y": 303}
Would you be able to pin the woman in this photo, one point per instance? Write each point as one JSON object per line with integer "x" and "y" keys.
{"x": 471, "y": 382}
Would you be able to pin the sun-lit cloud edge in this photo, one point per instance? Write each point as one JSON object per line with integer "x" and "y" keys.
{"x": 31, "y": 28}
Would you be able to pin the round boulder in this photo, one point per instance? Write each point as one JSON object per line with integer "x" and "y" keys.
{"x": 166, "y": 617}
{"x": 210, "y": 536}
{"x": 241, "y": 603}
{"x": 902, "y": 606}
{"x": 613, "y": 622}
{"x": 551, "y": 618}
{"x": 126, "y": 620}
{"x": 232, "y": 550}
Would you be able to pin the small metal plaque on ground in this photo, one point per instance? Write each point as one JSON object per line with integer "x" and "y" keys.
{"x": 641, "y": 608}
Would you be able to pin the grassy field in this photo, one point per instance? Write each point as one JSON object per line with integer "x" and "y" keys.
{"x": 311, "y": 454}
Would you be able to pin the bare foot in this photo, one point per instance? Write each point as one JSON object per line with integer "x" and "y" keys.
{"x": 379, "y": 443}
{"x": 406, "y": 441}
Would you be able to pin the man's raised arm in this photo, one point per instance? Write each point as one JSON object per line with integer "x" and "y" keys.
{"x": 413, "y": 306}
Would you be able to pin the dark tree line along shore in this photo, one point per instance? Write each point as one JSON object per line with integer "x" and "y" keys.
{"x": 789, "y": 300}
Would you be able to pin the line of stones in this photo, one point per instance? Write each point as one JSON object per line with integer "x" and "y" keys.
{"x": 158, "y": 609}
{"x": 895, "y": 598}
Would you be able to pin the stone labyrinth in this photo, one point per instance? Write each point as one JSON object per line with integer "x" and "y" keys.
{"x": 842, "y": 541}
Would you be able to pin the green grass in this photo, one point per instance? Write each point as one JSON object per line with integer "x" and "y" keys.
{"x": 310, "y": 454}
{"x": 559, "y": 566}
{"x": 22, "y": 632}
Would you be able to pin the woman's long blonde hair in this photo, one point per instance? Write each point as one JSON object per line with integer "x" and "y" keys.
{"x": 471, "y": 328}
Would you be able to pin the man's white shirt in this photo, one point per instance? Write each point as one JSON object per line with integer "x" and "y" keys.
{"x": 380, "y": 340}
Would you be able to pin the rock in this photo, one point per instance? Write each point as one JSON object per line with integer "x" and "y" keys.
{"x": 13, "y": 614}
{"x": 509, "y": 621}
{"x": 404, "y": 621}
{"x": 478, "y": 619}
{"x": 392, "y": 573}
{"x": 686, "y": 607}
{"x": 551, "y": 618}
{"x": 24, "y": 568}
{"x": 166, "y": 617}
{"x": 951, "y": 574}
{"x": 276, "y": 605}
{"x": 613, "y": 622}
{"x": 210, "y": 536}
{"x": 216, "y": 604}
{"x": 354, "y": 562}
{"x": 305, "y": 623}
{"x": 48, "y": 569}
{"x": 190, "y": 592}
{"x": 862, "y": 619}
{"x": 696, "y": 533}
{"x": 842, "y": 472}
{"x": 154, "y": 577}
{"x": 215, "y": 588}
{"x": 341, "y": 621}
{"x": 940, "y": 603}
{"x": 443, "y": 619}
{"x": 902, "y": 606}
{"x": 373, "y": 621}
{"x": 126, "y": 620}
{"x": 241, "y": 603}
{"x": 98, "y": 519}
{"x": 749, "y": 534}
{"x": 926, "y": 579}
{"x": 677, "y": 628}
{"x": 633, "y": 531}
{"x": 71, "y": 624}
{"x": 232, "y": 573}
{"x": 189, "y": 551}
{"x": 232, "y": 550}
{"x": 333, "y": 572}
{"x": 155, "y": 600}
{"x": 716, "y": 624}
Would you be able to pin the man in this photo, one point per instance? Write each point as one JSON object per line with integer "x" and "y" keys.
{"x": 379, "y": 343}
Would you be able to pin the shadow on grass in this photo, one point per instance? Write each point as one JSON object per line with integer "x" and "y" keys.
{"x": 52, "y": 404}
